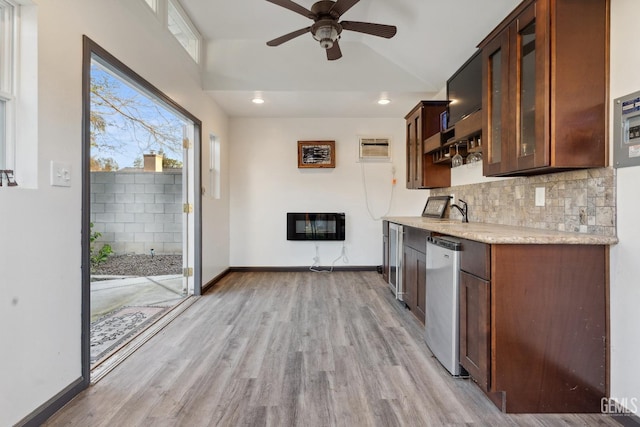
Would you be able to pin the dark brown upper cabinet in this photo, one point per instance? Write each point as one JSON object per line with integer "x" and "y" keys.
{"x": 545, "y": 78}
{"x": 422, "y": 122}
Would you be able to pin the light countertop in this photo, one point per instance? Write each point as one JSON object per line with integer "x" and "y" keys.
{"x": 501, "y": 234}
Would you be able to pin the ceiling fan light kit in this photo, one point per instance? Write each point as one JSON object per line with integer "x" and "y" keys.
{"x": 326, "y": 32}
{"x": 326, "y": 28}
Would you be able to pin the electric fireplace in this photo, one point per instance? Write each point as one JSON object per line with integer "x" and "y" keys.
{"x": 315, "y": 226}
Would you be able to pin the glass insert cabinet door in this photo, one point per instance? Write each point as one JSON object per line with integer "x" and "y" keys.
{"x": 514, "y": 96}
{"x": 527, "y": 66}
{"x": 528, "y": 58}
{"x": 495, "y": 94}
{"x": 495, "y": 106}
{"x": 544, "y": 85}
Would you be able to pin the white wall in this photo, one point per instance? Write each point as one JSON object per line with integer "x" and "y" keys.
{"x": 40, "y": 252}
{"x": 625, "y": 269}
{"x": 266, "y": 184}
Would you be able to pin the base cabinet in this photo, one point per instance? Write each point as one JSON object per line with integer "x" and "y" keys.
{"x": 475, "y": 327}
{"x": 533, "y": 332}
{"x": 475, "y": 311}
{"x": 415, "y": 270}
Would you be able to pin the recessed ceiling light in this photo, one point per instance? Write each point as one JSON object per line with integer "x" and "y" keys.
{"x": 257, "y": 97}
{"x": 383, "y": 101}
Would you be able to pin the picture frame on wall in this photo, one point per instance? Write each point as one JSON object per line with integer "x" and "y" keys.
{"x": 316, "y": 154}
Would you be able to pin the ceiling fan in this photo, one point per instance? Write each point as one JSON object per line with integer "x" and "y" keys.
{"x": 326, "y": 28}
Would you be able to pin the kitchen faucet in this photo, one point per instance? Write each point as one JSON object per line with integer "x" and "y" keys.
{"x": 463, "y": 210}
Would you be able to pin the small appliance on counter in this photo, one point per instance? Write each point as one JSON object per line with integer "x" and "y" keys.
{"x": 435, "y": 206}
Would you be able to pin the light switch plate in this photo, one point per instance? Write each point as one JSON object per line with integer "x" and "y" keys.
{"x": 60, "y": 174}
{"x": 540, "y": 196}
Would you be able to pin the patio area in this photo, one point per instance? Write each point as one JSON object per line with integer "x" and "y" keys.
{"x": 123, "y": 306}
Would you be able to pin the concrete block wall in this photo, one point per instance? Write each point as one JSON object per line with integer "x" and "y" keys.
{"x": 138, "y": 211}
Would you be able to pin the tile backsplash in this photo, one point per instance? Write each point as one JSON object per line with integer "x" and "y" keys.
{"x": 581, "y": 201}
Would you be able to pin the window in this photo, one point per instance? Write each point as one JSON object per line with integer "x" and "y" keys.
{"x": 183, "y": 29}
{"x": 7, "y": 64}
{"x": 176, "y": 20}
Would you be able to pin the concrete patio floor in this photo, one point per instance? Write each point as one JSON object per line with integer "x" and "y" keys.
{"x": 114, "y": 328}
{"x": 108, "y": 293}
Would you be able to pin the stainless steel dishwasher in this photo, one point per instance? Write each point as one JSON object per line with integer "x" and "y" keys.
{"x": 441, "y": 307}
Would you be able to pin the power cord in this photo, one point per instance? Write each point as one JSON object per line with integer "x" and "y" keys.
{"x": 316, "y": 260}
{"x": 366, "y": 192}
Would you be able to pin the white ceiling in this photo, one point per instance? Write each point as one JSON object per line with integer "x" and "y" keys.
{"x": 296, "y": 80}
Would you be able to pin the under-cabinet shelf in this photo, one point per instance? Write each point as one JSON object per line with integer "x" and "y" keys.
{"x": 445, "y": 154}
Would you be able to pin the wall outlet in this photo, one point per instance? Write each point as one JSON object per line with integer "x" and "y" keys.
{"x": 453, "y": 199}
{"x": 540, "y": 196}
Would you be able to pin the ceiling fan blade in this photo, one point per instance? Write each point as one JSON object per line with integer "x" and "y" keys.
{"x": 380, "y": 30}
{"x": 334, "y": 52}
{"x": 341, "y": 6}
{"x": 295, "y": 7}
{"x": 287, "y": 37}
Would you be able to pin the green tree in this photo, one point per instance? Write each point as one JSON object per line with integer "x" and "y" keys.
{"x": 169, "y": 163}
{"x": 105, "y": 164}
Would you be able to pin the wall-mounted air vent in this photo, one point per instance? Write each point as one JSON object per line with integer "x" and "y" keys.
{"x": 374, "y": 150}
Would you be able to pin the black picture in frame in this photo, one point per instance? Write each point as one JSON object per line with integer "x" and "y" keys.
{"x": 435, "y": 206}
{"x": 316, "y": 154}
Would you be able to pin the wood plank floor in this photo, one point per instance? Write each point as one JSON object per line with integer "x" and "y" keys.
{"x": 292, "y": 349}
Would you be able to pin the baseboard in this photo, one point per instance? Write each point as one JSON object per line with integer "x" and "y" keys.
{"x": 210, "y": 284}
{"x": 302, "y": 268}
{"x": 53, "y": 405}
{"x": 215, "y": 280}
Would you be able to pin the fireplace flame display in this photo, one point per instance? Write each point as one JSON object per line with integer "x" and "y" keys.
{"x": 315, "y": 226}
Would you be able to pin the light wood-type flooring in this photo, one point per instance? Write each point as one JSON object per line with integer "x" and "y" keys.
{"x": 292, "y": 349}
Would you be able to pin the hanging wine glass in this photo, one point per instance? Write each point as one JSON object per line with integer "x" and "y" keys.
{"x": 477, "y": 157}
{"x": 474, "y": 146}
{"x": 471, "y": 158}
{"x": 456, "y": 160}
